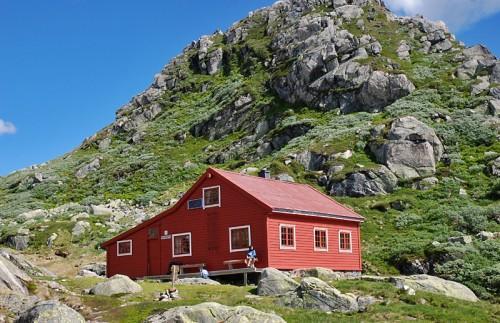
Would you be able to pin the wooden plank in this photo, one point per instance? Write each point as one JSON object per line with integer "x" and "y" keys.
{"x": 211, "y": 273}
{"x": 245, "y": 278}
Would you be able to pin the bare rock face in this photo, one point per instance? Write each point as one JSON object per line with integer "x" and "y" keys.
{"x": 86, "y": 169}
{"x": 211, "y": 312}
{"x": 316, "y": 294}
{"x": 365, "y": 183}
{"x": 12, "y": 277}
{"x": 50, "y": 312}
{"x": 410, "y": 150}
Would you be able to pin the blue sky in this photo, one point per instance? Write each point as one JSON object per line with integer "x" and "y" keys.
{"x": 67, "y": 65}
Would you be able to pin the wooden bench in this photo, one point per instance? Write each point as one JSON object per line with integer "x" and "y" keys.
{"x": 182, "y": 267}
{"x": 230, "y": 263}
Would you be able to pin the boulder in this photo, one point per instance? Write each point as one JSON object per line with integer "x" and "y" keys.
{"x": 18, "y": 242}
{"x": 425, "y": 183}
{"x": 86, "y": 169}
{"x": 318, "y": 272}
{"x": 99, "y": 268}
{"x": 100, "y": 210}
{"x": 411, "y": 149}
{"x": 485, "y": 235}
{"x": 50, "y": 312}
{"x": 494, "y": 107}
{"x": 310, "y": 160}
{"x": 24, "y": 265}
{"x": 349, "y": 12}
{"x": 495, "y": 92}
{"x": 482, "y": 85}
{"x": 87, "y": 273}
{"x": 16, "y": 303}
{"x": 274, "y": 282}
{"x": 495, "y": 167}
{"x": 495, "y": 73}
{"x": 403, "y": 50}
{"x": 118, "y": 284}
{"x": 284, "y": 177}
{"x": 365, "y": 183}
{"x": 461, "y": 239}
{"x": 196, "y": 281}
{"x": 436, "y": 285}
{"x": 211, "y": 312}
{"x": 80, "y": 228}
{"x": 316, "y": 294}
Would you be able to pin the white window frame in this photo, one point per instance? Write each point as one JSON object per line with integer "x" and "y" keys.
{"x": 118, "y": 248}
{"x": 314, "y": 238}
{"x": 249, "y": 237}
{"x": 350, "y": 242}
{"x": 190, "y": 245}
{"x": 203, "y": 197}
{"x": 282, "y": 247}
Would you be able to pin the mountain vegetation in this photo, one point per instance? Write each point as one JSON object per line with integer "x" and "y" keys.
{"x": 390, "y": 115}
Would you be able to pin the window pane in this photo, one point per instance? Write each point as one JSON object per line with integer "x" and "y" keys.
{"x": 345, "y": 241}
{"x": 211, "y": 196}
{"x": 240, "y": 238}
{"x": 181, "y": 245}
{"x": 124, "y": 247}
{"x": 320, "y": 239}
{"x": 287, "y": 236}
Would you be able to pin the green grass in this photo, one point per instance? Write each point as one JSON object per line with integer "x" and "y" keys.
{"x": 424, "y": 307}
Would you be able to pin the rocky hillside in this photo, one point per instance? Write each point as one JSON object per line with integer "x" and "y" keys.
{"x": 390, "y": 115}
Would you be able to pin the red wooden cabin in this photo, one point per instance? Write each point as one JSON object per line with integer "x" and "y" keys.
{"x": 290, "y": 225}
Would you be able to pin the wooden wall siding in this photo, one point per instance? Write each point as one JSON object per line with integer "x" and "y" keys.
{"x": 209, "y": 234}
{"x": 304, "y": 255}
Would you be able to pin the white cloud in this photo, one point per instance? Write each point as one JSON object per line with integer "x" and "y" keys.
{"x": 457, "y": 14}
{"x": 7, "y": 127}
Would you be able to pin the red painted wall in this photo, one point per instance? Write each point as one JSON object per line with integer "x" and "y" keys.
{"x": 209, "y": 234}
{"x": 304, "y": 255}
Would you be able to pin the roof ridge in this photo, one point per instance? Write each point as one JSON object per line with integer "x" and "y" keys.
{"x": 258, "y": 177}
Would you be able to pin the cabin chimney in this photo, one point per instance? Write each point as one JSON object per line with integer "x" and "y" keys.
{"x": 265, "y": 173}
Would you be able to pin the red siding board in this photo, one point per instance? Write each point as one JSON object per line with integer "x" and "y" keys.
{"x": 304, "y": 255}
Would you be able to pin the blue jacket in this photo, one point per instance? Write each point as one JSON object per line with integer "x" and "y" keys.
{"x": 252, "y": 254}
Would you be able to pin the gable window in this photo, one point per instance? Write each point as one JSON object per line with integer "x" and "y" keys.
{"x": 287, "y": 236}
{"x": 181, "y": 244}
{"x": 211, "y": 196}
{"x": 239, "y": 238}
{"x": 320, "y": 239}
{"x": 124, "y": 248}
{"x": 345, "y": 241}
{"x": 195, "y": 204}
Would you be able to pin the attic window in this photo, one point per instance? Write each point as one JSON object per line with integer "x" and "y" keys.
{"x": 195, "y": 204}
{"x": 345, "y": 241}
{"x": 124, "y": 248}
{"x": 153, "y": 233}
{"x": 211, "y": 196}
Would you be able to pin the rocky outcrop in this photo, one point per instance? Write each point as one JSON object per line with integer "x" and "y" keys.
{"x": 98, "y": 268}
{"x": 436, "y": 285}
{"x": 274, "y": 282}
{"x": 410, "y": 149}
{"x": 24, "y": 265}
{"x": 325, "y": 73}
{"x": 365, "y": 183}
{"x": 12, "y": 277}
{"x": 118, "y": 284}
{"x": 211, "y": 312}
{"x": 86, "y": 169}
{"x": 18, "y": 242}
{"x": 324, "y": 274}
{"x": 208, "y": 60}
{"x": 80, "y": 228}
{"x": 50, "y": 311}
{"x": 15, "y": 302}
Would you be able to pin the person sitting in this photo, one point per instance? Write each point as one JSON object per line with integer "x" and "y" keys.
{"x": 251, "y": 257}
{"x": 204, "y": 273}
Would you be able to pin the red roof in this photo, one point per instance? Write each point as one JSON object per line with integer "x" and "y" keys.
{"x": 288, "y": 197}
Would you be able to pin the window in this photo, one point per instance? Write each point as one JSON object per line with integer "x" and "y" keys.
{"x": 124, "y": 248}
{"x": 152, "y": 233}
{"x": 211, "y": 196}
{"x": 195, "y": 204}
{"x": 181, "y": 244}
{"x": 320, "y": 239}
{"x": 287, "y": 236}
{"x": 239, "y": 238}
{"x": 345, "y": 243}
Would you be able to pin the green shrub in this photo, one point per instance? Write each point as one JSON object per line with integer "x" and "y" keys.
{"x": 470, "y": 219}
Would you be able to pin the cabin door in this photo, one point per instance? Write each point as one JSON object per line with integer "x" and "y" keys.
{"x": 154, "y": 252}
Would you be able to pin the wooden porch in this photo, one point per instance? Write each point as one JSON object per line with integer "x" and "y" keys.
{"x": 227, "y": 272}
